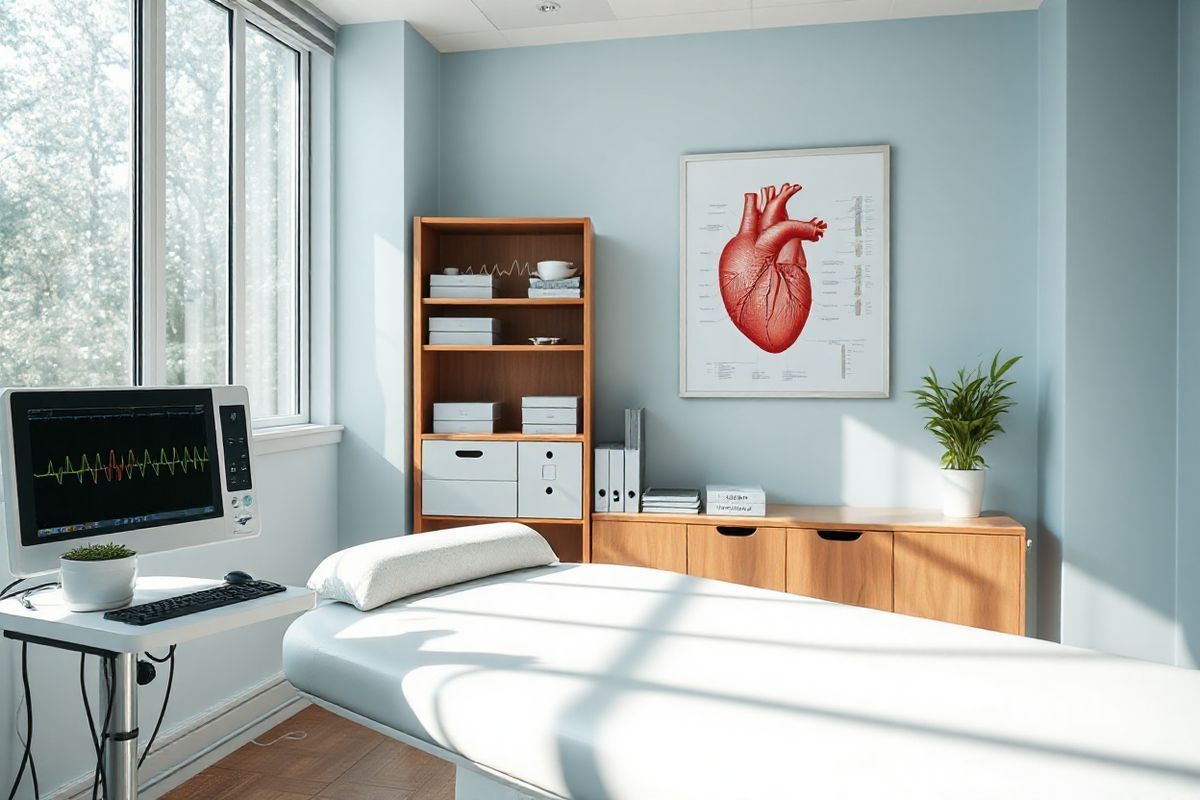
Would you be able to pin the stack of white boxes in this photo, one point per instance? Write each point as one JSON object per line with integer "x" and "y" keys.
{"x": 464, "y": 330}
{"x": 465, "y": 417}
{"x": 551, "y": 415}
{"x": 462, "y": 286}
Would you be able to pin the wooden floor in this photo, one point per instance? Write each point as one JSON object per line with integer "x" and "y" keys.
{"x": 337, "y": 760}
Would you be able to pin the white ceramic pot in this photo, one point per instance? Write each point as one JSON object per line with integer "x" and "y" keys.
{"x": 98, "y": 585}
{"x": 962, "y": 492}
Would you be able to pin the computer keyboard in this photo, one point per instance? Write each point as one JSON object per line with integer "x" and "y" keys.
{"x": 184, "y": 604}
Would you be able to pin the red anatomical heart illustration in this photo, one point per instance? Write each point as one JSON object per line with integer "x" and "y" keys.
{"x": 764, "y": 275}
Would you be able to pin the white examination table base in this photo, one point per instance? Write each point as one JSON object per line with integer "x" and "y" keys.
{"x": 594, "y": 681}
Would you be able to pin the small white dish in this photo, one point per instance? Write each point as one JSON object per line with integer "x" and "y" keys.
{"x": 450, "y": 271}
{"x": 555, "y": 270}
{"x": 544, "y": 340}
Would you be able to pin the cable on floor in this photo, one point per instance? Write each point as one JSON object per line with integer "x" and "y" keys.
{"x": 290, "y": 736}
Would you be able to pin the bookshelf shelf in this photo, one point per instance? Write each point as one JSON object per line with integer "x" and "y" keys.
{"x": 505, "y": 373}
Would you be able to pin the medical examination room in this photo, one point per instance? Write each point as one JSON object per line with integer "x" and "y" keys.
{"x": 599, "y": 399}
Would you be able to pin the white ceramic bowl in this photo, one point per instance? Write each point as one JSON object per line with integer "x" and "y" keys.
{"x": 555, "y": 270}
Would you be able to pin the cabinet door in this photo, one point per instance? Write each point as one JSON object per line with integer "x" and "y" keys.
{"x": 752, "y": 556}
{"x": 968, "y": 578}
{"x": 640, "y": 544}
{"x": 853, "y": 567}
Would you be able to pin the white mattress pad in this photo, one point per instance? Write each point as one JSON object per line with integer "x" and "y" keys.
{"x": 595, "y": 681}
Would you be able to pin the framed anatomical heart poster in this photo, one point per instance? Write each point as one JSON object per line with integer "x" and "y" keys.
{"x": 784, "y": 259}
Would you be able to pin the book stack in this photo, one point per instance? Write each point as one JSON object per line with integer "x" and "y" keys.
{"x": 464, "y": 330}
{"x": 671, "y": 501}
{"x": 564, "y": 287}
{"x": 465, "y": 417}
{"x": 735, "y": 501}
{"x": 462, "y": 286}
{"x": 551, "y": 415}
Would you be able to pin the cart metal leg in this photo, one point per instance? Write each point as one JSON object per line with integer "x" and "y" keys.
{"x": 120, "y": 755}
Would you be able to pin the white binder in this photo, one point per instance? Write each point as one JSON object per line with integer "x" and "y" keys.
{"x": 616, "y": 478}
{"x": 600, "y": 479}
{"x": 635, "y": 459}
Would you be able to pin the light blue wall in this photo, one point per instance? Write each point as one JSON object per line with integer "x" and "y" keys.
{"x": 386, "y": 109}
{"x": 1188, "y": 553}
{"x": 1118, "y": 552}
{"x": 597, "y": 129}
{"x": 1052, "y": 274}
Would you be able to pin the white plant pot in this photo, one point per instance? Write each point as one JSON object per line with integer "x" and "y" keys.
{"x": 98, "y": 585}
{"x": 962, "y": 492}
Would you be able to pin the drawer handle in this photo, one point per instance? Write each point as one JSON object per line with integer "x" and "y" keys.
{"x": 840, "y": 536}
{"x": 735, "y": 530}
{"x": 469, "y": 453}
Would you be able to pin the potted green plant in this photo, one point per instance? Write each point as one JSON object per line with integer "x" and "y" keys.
{"x": 98, "y": 577}
{"x": 963, "y": 417}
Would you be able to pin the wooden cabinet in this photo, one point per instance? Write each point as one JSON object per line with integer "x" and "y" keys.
{"x": 973, "y": 579}
{"x": 969, "y": 571}
{"x": 853, "y": 567}
{"x": 740, "y": 554}
{"x": 640, "y": 544}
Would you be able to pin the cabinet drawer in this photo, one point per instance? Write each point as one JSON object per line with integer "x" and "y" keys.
{"x": 738, "y": 554}
{"x": 968, "y": 578}
{"x": 852, "y": 567}
{"x": 640, "y": 544}
{"x": 550, "y": 480}
{"x": 469, "y": 461}
{"x": 469, "y": 498}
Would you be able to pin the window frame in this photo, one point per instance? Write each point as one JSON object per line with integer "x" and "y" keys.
{"x": 149, "y": 199}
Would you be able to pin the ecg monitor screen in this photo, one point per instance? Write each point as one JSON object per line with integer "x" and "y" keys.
{"x": 95, "y": 463}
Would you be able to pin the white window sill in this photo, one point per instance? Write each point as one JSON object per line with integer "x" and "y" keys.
{"x": 294, "y": 437}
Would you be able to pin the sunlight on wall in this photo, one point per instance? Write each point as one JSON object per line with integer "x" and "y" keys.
{"x": 391, "y": 348}
{"x": 877, "y": 471}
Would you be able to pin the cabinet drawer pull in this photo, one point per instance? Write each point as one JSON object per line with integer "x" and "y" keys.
{"x": 469, "y": 453}
{"x": 840, "y": 536}
{"x": 735, "y": 530}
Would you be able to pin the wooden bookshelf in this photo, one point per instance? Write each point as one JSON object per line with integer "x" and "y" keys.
{"x": 508, "y": 371}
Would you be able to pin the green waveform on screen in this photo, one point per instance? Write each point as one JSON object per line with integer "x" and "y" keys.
{"x": 116, "y": 468}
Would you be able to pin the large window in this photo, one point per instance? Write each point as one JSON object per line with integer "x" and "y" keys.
{"x": 153, "y": 158}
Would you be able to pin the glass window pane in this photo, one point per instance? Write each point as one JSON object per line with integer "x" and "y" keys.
{"x": 65, "y": 177}
{"x": 272, "y": 225}
{"x": 197, "y": 192}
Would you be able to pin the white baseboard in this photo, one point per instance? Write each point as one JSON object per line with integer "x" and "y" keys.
{"x": 191, "y": 747}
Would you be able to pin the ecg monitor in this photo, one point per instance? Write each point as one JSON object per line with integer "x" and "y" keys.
{"x": 154, "y": 469}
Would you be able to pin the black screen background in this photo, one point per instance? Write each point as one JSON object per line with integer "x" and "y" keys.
{"x": 147, "y": 420}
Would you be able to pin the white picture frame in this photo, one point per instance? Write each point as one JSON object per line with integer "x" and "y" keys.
{"x": 847, "y": 352}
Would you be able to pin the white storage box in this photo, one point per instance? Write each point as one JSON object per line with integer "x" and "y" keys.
{"x": 550, "y": 480}
{"x": 471, "y": 324}
{"x": 462, "y": 292}
{"x": 539, "y": 401}
{"x": 551, "y": 416}
{"x": 543, "y": 429}
{"x": 464, "y": 426}
{"x": 461, "y": 411}
{"x": 469, "y": 498}
{"x": 462, "y": 280}
{"x": 464, "y": 337}
{"x": 469, "y": 461}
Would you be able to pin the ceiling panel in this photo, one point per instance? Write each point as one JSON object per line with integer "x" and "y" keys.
{"x": 514, "y": 14}
{"x": 628, "y": 9}
{"x": 457, "y": 25}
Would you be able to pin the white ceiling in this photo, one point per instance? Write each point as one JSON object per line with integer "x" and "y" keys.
{"x": 455, "y": 25}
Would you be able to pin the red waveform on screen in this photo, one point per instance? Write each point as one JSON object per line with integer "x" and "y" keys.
{"x": 116, "y": 468}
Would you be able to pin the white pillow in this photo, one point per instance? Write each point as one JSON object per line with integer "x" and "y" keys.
{"x": 371, "y": 574}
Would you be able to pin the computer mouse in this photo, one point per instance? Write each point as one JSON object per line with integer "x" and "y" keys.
{"x": 237, "y": 577}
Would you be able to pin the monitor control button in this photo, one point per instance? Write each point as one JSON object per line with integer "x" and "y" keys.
{"x": 235, "y": 502}
{"x": 248, "y": 501}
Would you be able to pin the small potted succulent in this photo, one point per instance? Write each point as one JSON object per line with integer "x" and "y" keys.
{"x": 98, "y": 577}
{"x": 963, "y": 417}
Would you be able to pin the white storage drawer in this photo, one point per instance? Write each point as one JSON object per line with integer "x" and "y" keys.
{"x": 469, "y": 498}
{"x": 550, "y": 482}
{"x": 469, "y": 461}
